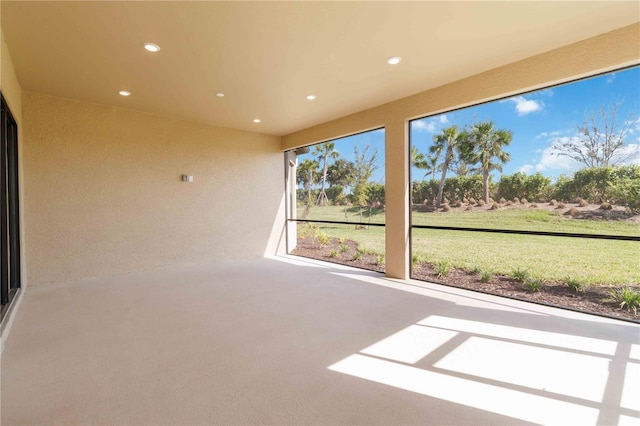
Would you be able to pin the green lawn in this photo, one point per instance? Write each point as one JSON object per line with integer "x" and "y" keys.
{"x": 550, "y": 258}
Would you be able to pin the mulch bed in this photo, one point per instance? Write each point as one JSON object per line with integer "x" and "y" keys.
{"x": 591, "y": 300}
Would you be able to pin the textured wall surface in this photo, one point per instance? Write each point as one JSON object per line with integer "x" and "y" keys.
{"x": 104, "y": 193}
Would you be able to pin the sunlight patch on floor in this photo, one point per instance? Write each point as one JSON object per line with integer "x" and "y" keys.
{"x": 410, "y": 345}
{"x": 526, "y": 335}
{"x": 496, "y": 399}
{"x": 532, "y": 375}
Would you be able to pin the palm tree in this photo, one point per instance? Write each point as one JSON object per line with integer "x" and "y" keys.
{"x": 428, "y": 163}
{"x": 483, "y": 145}
{"x": 447, "y": 141}
{"x": 307, "y": 175}
{"x": 324, "y": 151}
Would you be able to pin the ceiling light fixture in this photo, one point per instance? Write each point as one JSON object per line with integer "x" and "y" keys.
{"x": 220, "y": 95}
{"x": 125, "y": 93}
{"x": 152, "y": 47}
{"x": 394, "y": 60}
{"x": 256, "y": 120}
{"x": 311, "y": 97}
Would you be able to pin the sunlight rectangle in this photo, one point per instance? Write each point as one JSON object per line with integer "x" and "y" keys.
{"x": 523, "y": 334}
{"x": 631, "y": 388}
{"x": 556, "y": 371}
{"x": 475, "y": 394}
{"x": 411, "y": 344}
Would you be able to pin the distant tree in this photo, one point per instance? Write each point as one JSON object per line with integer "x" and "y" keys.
{"x": 341, "y": 172}
{"x": 365, "y": 165}
{"x": 483, "y": 144}
{"x": 307, "y": 175}
{"x": 324, "y": 151}
{"x": 462, "y": 169}
{"x": 428, "y": 163}
{"x": 433, "y": 166}
{"x": 601, "y": 139}
{"x": 447, "y": 142}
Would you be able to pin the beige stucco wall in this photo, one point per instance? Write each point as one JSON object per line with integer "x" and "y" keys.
{"x": 606, "y": 52}
{"x": 104, "y": 193}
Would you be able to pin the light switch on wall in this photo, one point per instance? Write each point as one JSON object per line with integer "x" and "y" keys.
{"x": 187, "y": 178}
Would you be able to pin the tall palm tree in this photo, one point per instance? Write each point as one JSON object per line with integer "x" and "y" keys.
{"x": 483, "y": 144}
{"x": 324, "y": 151}
{"x": 448, "y": 141}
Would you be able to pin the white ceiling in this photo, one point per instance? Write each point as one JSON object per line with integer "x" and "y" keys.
{"x": 267, "y": 56}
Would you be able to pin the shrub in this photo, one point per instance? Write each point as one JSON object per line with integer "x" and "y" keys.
{"x": 495, "y": 206}
{"x": 442, "y": 268}
{"x": 572, "y": 212}
{"x": 516, "y": 201}
{"x": 446, "y": 208}
{"x": 457, "y": 204}
{"x": 322, "y": 238}
{"x": 509, "y": 203}
{"x": 606, "y": 206}
{"x": 341, "y": 240}
{"x": 502, "y": 200}
{"x": 480, "y": 203}
{"x": 466, "y": 201}
{"x": 561, "y": 206}
{"x": 553, "y": 203}
{"x": 475, "y": 270}
{"x": 356, "y": 255}
{"x": 524, "y": 201}
{"x": 520, "y": 275}
{"x": 486, "y": 276}
{"x": 533, "y": 206}
{"x": 380, "y": 259}
{"x": 469, "y": 208}
{"x": 625, "y": 298}
{"x": 582, "y": 202}
{"x": 533, "y": 285}
{"x": 472, "y": 200}
{"x": 333, "y": 253}
{"x": 521, "y": 185}
{"x": 574, "y": 284}
{"x": 599, "y": 184}
{"x": 344, "y": 248}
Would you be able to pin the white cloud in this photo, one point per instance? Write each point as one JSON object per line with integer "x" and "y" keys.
{"x": 553, "y": 134}
{"x": 526, "y": 106}
{"x": 632, "y": 151}
{"x": 526, "y": 169}
{"x": 443, "y": 119}
{"x": 610, "y": 78}
{"x": 550, "y": 160}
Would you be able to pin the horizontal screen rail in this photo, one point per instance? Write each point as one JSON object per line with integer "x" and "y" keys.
{"x": 522, "y": 232}
{"x": 485, "y": 230}
{"x": 335, "y": 222}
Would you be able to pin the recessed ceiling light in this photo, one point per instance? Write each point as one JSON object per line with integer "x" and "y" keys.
{"x": 152, "y": 47}
{"x": 311, "y": 97}
{"x": 220, "y": 95}
{"x": 125, "y": 93}
{"x": 394, "y": 60}
{"x": 256, "y": 120}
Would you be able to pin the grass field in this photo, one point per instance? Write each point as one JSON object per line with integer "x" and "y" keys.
{"x": 549, "y": 258}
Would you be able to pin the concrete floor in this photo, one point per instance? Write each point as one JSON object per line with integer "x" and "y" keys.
{"x": 291, "y": 341}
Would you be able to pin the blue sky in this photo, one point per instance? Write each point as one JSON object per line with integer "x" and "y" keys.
{"x": 536, "y": 119}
